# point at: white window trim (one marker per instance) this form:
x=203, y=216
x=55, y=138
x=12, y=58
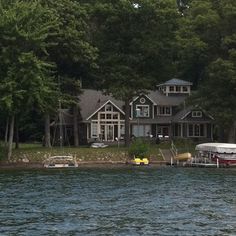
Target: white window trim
x=93, y=124
x=142, y=100
x=138, y=107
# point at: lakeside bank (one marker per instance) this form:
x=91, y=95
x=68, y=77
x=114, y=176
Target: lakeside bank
x=34, y=157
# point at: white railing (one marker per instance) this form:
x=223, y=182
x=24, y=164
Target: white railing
x=174, y=149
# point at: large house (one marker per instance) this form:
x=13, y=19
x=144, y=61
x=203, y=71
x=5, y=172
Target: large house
x=160, y=113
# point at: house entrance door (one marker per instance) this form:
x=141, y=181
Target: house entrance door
x=110, y=132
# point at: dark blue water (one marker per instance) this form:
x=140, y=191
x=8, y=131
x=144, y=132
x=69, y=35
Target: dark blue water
x=135, y=201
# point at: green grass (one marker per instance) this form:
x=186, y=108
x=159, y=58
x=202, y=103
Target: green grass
x=35, y=152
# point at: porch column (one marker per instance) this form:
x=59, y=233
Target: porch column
x=98, y=126
x=118, y=125
x=87, y=129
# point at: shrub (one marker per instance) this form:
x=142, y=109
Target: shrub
x=138, y=148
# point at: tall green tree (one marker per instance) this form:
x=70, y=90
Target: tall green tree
x=207, y=44
x=74, y=54
x=136, y=46
x=26, y=74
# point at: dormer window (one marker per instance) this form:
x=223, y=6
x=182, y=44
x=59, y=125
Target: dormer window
x=196, y=114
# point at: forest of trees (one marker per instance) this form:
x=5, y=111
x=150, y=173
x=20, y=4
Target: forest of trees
x=123, y=47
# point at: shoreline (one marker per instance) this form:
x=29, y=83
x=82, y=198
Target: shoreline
x=83, y=164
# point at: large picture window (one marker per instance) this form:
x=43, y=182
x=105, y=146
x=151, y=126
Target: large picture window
x=142, y=111
x=196, y=130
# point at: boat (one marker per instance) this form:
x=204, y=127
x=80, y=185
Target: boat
x=221, y=153
x=98, y=145
x=60, y=162
x=140, y=161
x=183, y=156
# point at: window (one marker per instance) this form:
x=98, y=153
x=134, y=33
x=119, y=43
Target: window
x=108, y=116
x=142, y=111
x=108, y=107
x=172, y=88
x=163, y=131
x=196, y=130
x=185, y=88
x=141, y=130
x=196, y=114
x=94, y=129
x=102, y=116
x=178, y=88
x=115, y=116
x=165, y=111
x=142, y=100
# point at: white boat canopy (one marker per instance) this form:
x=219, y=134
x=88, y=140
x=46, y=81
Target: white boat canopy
x=217, y=147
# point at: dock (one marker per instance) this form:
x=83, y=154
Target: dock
x=169, y=157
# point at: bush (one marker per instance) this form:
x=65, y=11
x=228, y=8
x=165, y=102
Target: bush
x=138, y=148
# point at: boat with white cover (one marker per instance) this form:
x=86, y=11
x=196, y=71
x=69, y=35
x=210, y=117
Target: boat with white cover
x=223, y=153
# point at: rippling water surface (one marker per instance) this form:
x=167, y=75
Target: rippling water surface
x=135, y=201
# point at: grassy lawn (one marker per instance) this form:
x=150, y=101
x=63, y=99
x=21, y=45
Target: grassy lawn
x=35, y=152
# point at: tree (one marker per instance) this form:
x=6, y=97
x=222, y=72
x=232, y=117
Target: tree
x=135, y=41
x=207, y=41
x=26, y=74
x=74, y=54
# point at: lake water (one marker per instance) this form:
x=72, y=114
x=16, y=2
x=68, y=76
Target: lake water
x=128, y=201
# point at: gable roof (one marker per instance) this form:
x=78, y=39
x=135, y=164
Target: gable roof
x=92, y=100
x=181, y=115
x=108, y=101
x=145, y=95
x=175, y=81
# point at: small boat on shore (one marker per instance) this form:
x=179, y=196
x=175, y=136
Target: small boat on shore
x=183, y=156
x=60, y=162
x=140, y=161
x=221, y=153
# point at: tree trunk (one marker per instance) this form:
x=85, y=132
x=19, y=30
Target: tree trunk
x=10, y=140
x=75, y=121
x=6, y=133
x=127, y=116
x=47, y=133
x=232, y=133
x=16, y=134
x=221, y=134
